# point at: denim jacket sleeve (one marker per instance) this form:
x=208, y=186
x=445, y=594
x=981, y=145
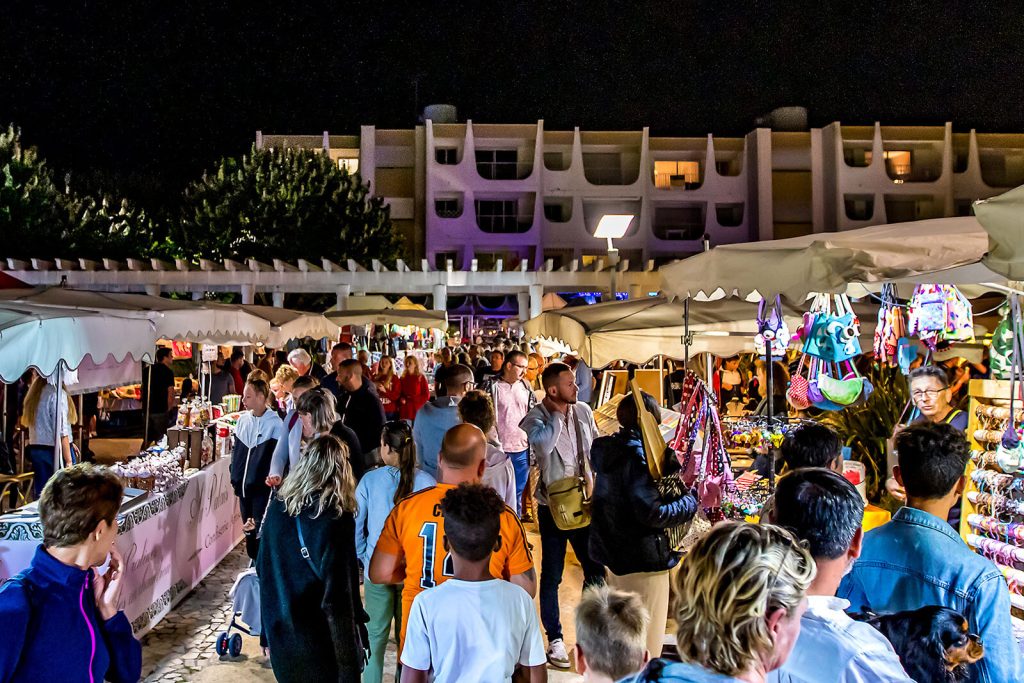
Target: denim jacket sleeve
x=990, y=619
x=542, y=432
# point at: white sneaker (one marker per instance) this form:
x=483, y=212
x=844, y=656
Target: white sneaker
x=557, y=656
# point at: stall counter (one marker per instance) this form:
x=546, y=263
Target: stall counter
x=170, y=542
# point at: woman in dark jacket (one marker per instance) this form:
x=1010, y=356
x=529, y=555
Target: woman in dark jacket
x=309, y=578
x=629, y=517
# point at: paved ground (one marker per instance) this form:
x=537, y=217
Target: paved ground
x=181, y=647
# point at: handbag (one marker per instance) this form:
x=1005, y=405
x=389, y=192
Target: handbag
x=833, y=337
x=569, y=497
x=771, y=330
x=798, y=386
x=362, y=635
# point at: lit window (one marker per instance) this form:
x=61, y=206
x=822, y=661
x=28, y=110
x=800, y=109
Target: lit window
x=350, y=165
x=669, y=174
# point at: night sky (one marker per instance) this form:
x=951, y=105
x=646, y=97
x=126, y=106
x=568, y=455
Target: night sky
x=146, y=94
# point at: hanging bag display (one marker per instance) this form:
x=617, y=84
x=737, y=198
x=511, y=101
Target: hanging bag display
x=798, y=387
x=940, y=313
x=771, y=329
x=834, y=336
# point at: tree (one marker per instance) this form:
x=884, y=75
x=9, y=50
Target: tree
x=106, y=227
x=33, y=219
x=286, y=204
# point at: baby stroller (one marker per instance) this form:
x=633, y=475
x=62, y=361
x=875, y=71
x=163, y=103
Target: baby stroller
x=245, y=605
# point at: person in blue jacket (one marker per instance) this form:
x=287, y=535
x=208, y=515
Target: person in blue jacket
x=60, y=617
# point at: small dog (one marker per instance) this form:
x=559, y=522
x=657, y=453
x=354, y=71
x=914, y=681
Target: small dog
x=934, y=643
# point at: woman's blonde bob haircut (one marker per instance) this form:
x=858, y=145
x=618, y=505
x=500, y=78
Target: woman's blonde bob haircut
x=728, y=585
x=323, y=480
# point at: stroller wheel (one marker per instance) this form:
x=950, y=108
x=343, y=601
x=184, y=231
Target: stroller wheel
x=222, y=644
x=235, y=645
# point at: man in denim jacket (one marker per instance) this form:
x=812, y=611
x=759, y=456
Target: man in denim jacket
x=918, y=559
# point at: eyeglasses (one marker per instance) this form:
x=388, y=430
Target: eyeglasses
x=929, y=394
x=470, y=385
x=521, y=367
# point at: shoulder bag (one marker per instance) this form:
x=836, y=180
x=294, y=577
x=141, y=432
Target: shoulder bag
x=569, y=497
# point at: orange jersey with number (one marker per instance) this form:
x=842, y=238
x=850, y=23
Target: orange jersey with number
x=414, y=533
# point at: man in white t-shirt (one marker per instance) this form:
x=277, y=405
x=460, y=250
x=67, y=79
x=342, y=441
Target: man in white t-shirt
x=472, y=627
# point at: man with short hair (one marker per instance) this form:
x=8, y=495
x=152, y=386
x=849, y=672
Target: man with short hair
x=441, y=371
x=560, y=430
x=360, y=410
x=917, y=559
x=611, y=635
x=824, y=511
x=513, y=399
x=158, y=388
x=411, y=548
x=304, y=365
x=812, y=445
x=439, y=415
x=341, y=352
x=497, y=358
x=235, y=364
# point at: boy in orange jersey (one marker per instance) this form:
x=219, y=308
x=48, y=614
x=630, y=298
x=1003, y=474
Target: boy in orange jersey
x=411, y=548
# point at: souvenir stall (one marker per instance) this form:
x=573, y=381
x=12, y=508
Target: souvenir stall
x=421, y=331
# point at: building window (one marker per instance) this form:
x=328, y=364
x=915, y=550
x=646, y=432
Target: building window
x=555, y=161
x=603, y=168
x=897, y=165
x=447, y=207
x=449, y=156
x=729, y=215
x=964, y=207
x=499, y=215
x=442, y=258
x=558, y=211
x=679, y=222
x=857, y=157
x=350, y=165
x=682, y=174
x=497, y=164
x=859, y=207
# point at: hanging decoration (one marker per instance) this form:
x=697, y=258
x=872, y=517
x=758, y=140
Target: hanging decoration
x=940, y=313
x=771, y=330
x=891, y=330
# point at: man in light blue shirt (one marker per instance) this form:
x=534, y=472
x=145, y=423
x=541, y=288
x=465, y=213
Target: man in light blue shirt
x=824, y=510
x=917, y=559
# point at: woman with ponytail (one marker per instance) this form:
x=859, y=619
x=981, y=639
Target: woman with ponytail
x=376, y=494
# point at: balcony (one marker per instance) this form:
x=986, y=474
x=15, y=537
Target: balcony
x=610, y=168
x=902, y=208
x=503, y=216
x=558, y=209
x=683, y=175
x=859, y=207
x=729, y=215
x=501, y=164
x=679, y=222
x=448, y=206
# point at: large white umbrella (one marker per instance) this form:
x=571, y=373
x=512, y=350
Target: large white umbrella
x=390, y=316
x=287, y=324
x=641, y=329
x=939, y=251
x=1003, y=219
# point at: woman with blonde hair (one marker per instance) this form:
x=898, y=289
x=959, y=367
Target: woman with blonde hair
x=741, y=593
x=415, y=391
x=309, y=576
x=285, y=378
x=318, y=415
x=39, y=415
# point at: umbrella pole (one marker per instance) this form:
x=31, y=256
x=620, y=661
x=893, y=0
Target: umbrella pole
x=58, y=453
x=769, y=371
x=687, y=337
x=149, y=389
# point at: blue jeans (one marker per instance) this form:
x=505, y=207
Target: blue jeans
x=552, y=564
x=41, y=458
x=521, y=467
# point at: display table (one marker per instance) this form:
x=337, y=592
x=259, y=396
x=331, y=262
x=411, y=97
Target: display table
x=170, y=541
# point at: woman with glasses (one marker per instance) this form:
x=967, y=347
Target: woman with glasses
x=932, y=398
x=741, y=593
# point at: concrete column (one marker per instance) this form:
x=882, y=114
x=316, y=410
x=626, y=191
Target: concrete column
x=524, y=306
x=635, y=292
x=248, y=294
x=342, y=292
x=440, y=297
x=536, y=300
x=278, y=299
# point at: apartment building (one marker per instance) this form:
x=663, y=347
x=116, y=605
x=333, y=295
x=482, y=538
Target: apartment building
x=493, y=195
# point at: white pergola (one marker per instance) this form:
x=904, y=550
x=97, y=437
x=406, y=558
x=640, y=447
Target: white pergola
x=154, y=276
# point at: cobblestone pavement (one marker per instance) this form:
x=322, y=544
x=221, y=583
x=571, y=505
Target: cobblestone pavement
x=181, y=647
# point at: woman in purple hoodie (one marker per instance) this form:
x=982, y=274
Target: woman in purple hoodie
x=60, y=617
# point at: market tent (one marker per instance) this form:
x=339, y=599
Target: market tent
x=202, y=322
x=640, y=329
x=287, y=324
x=406, y=304
x=363, y=302
x=948, y=250
x=552, y=302
x=1003, y=220
x=48, y=337
x=390, y=316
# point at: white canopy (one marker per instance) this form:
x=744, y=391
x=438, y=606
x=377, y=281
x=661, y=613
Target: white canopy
x=1003, y=218
x=941, y=251
x=286, y=324
x=390, y=316
x=195, y=321
x=44, y=337
x=640, y=329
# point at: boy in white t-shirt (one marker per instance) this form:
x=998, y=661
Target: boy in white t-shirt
x=472, y=627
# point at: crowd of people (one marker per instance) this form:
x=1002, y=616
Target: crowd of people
x=371, y=508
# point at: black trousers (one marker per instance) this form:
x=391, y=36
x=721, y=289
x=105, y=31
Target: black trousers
x=553, y=543
x=253, y=506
